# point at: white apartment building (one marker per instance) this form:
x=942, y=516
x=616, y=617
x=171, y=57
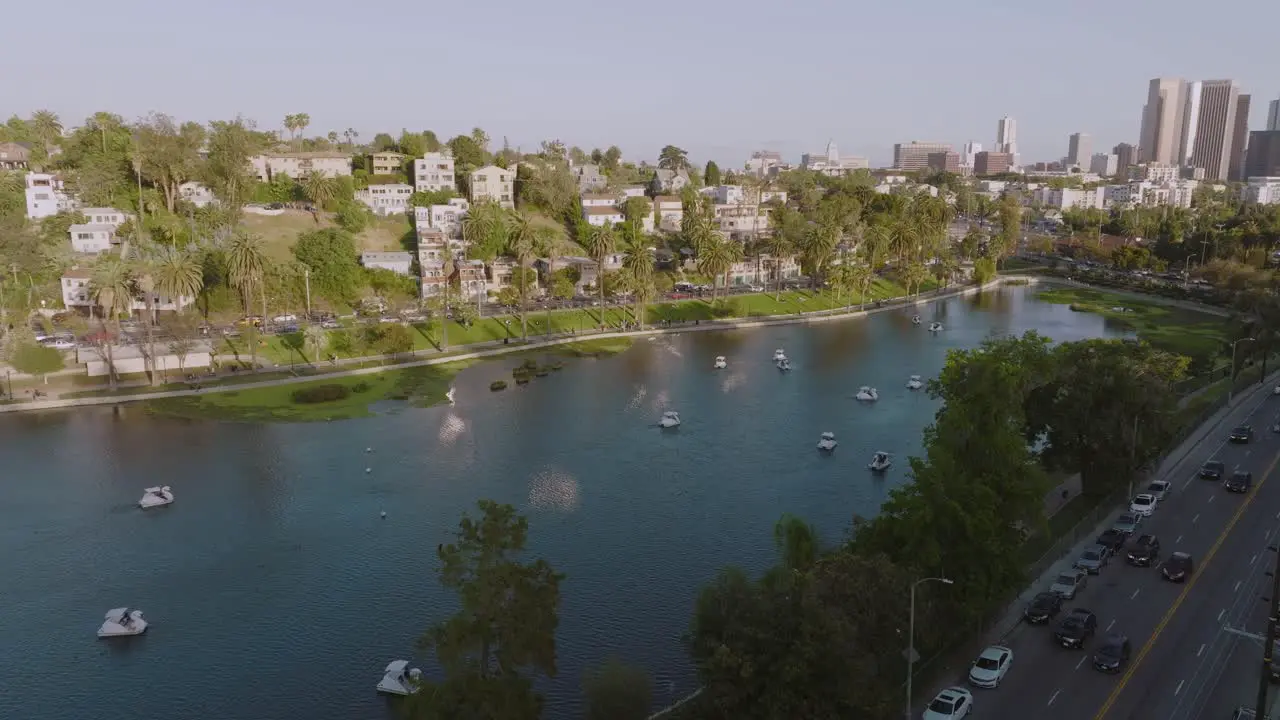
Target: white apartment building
x=78, y=293
x=602, y=216
x=396, y=262
x=764, y=163
x=45, y=196
x=670, y=211
x=1156, y=173
x=1263, y=190
x=1066, y=198
x=197, y=194
x=433, y=172
x=92, y=238
x=600, y=200
x=386, y=200
x=446, y=218
x=1104, y=164
x=494, y=183
x=104, y=216
x=300, y=164
x=631, y=191
x=1177, y=194
x=742, y=222
x=729, y=195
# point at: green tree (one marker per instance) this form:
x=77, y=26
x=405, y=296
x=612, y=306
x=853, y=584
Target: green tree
x=394, y=339
x=484, y=229
x=711, y=176
x=169, y=153
x=112, y=287
x=716, y=258
x=673, y=158
x=319, y=188
x=504, y=630
x=352, y=216
x=637, y=268
x=617, y=691
x=331, y=256
x=177, y=274
x=599, y=244
x=30, y=358
x=247, y=270
x=231, y=144
x=1010, y=218
x=525, y=236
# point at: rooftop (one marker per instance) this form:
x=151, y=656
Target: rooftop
x=316, y=155
x=602, y=211
x=100, y=211
x=92, y=227
x=77, y=273
x=369, y=257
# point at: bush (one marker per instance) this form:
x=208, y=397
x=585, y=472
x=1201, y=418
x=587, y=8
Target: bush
x=497, y=385
x=321, y=393
x=360, y=387
x=529, y=364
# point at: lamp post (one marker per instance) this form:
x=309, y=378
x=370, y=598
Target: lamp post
x=1231, y=379
x=911, y=633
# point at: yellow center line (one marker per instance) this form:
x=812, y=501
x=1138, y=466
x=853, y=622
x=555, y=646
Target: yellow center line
x=1204, y=565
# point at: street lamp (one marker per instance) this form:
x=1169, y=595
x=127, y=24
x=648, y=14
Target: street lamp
x=1231, y=379
x=911, y=633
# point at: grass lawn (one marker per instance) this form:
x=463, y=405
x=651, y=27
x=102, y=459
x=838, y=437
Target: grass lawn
x=1170, y=328
x=281, y=231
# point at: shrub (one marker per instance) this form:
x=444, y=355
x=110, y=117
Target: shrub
x=360, y=387
x=530, y=364
x=321, y=393
x=497, y=385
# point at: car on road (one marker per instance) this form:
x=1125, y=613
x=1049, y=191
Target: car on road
x=330, y=324
x=1111, y=539
x=1077, y=627
x=1093, y=559
x=1144, y=551
x=1144, y=505
x=59, y=344
x=950, y=704
x=1242, y=434
x=1212, y=470
x=1127, y=523
x=1160, y=489
x=284, y=319
x=1113, y=655
x=1239, y=482
x=1177, y=568
x=990, y=667
x=1069, y=583
x=1042, y=608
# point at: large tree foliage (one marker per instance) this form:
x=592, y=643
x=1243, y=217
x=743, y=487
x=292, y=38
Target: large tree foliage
x=168, y=153
x=504, y=631
x=330, y=254
x=617, y=691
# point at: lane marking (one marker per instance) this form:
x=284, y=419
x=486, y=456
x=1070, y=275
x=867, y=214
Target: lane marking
x=1182, y=596
x=1194, y=519
x=1175, y=542
x=1224, y=612
x=1179, y=688
x=1134, y=595
x=1253, y=559
x=1113, y=622
x=1200, y=651
x=1080, y=663
x=1055, y=696
x=1212, y=498
x=1237, y=588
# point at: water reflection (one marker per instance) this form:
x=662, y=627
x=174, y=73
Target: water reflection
x=732, y=381
x=553, y=489
x=845, y=344
x=451, y=428
x=637, y=398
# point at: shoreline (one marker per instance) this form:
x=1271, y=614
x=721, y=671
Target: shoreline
x=495, y=352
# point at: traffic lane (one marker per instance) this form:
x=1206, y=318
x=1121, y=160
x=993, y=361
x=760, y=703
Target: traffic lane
x=1172, y=658
x=1125, y=599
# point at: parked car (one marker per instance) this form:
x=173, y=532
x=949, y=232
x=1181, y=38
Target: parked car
x=285, y=319
x=1111, y=539
x=1042, y=608
x=330, y=324
x=953, y=703
x=1069, y=583
x=990, y=667
x=1077, y=627
x=1160, y=489
x=1143, y=505
x=59, y=344
x=1127, y=523
x=1093, y=559
x=1145, y=550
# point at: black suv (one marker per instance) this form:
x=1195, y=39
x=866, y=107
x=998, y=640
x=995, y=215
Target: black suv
x=1112, y=540
x=1242, y=434
x=1074, y=629
x=1239, y=482
x=1042, y=607
x=1212, y=470
x=1177, y=568
x=1113, y=655
x=1144, y=551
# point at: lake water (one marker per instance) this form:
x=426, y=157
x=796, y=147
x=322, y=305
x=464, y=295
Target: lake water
x=275, y=590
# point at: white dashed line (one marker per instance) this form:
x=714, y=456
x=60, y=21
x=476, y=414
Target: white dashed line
x=1194, y=519
x=1179, y=688
x=1200, y=651
x=1054, y=697
x=1246, y=454
x=1134, y=595
x=1237, y=588
x=1113, y=622
x=1175, y=542
x=1253, y=559
x=1212, y=498
x=1224, y=612
x=1080, y=663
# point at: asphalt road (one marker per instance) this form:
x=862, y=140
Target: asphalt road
x=1170, y=676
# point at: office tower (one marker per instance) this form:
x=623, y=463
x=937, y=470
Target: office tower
x=1273, y=115
x=1263, y=159
x=1163, y=122
x=1210, y=126
x=944, y=162
x=971, y=149
x=1007, y=136
x=992, y=163
x=1103, y=164
x=1239, y=139
x=1126, y=157
x=1079, y=149
x=915, y=154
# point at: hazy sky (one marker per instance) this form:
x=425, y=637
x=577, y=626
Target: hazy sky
x=718, y=79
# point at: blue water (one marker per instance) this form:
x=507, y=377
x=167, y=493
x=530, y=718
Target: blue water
x=275, y=590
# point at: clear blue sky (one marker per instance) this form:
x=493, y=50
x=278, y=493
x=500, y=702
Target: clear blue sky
x=718, y=79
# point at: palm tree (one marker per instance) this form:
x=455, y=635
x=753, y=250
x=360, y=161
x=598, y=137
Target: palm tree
x=144, y=282
x=523, y=238
x=316, y=338
x=637, y=266
x=448, y=268
x=247, y=269
x=177, y=274
x=291, y=124
x=332, y=137
x=779, y=246
x=353, y=136
x=914, y=274
x=716, y=259
x=302, y=120
x=859, y=275
x=484, y=230
x=319, y=188
x=553, y=243
x=599, y=244
x=112, y=288
x=47, y=128
x=817, y=245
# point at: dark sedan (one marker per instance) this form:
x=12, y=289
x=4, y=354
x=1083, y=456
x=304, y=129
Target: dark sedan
x=1077, y=627
x=1212, y=470
x=1113, y=655
x=1242, y=434
x=1112, y=539
x=1144, y=551
x=1177, y=568
x=1239, y=482
x=1042, y=608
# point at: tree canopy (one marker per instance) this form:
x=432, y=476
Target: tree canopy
x=330, y=255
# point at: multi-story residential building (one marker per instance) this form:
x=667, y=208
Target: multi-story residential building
x=669, y=181
x=104, y=216
x=602, y=216
x=670, y=211
x=1263, y=190
x=601, y=200
x=77, y=293
x=397, y=262
x=992, y=187
x=14, y=156
x=1210, y=126
x=446, y=218
x=494, y=183
x=992, y=163
x=764, y=163
x=434, y=172
x=742, y=221
x=386, y=163
x=630, y=191
x=1263, y=158
x=945, y=162
x=1079, y=149
x=433, y=245
x=589, y=178
x=729, y=194
x=1177, y=194
x=1066, y=198
x=831, y=163
x=1104, y=164
x=92, y=238
x=1163, y=122
x=1126, y=157
x=473, y=281
x=45, y=196
x=392, y=199
x=915, y=154
x=1006, y=137
x=431, y=278
x=298, y=165
x=197, y=194
x=1156, y=173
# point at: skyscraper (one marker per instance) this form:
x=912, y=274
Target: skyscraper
x=1273, y=115
x=1163, y=122
x=1007, y=136
x=1126, y=157
x=1239, y=140
x=1079, y=150
x=1211, y=119
x=1264, y=154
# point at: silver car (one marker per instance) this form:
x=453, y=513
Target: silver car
x=1160, y=489
x=1127, y=523
x=1069, y=583
x=1093, y=559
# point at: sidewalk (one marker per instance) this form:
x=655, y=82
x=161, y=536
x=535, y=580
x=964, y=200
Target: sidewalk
x=955, y=665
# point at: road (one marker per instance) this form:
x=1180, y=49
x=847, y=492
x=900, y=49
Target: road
x=1171, y=676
